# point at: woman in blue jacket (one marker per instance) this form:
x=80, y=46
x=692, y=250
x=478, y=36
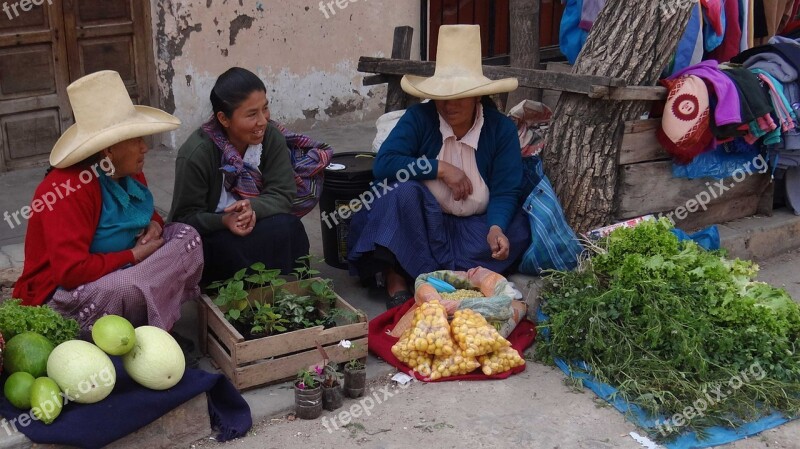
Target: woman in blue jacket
x=449, y=176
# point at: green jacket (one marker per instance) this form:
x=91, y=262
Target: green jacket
x=198, y=181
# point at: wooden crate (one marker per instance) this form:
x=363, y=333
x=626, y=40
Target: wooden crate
x=646, y=185
x=275, y=358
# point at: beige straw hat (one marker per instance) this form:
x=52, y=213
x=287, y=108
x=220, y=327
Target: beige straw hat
x=104, y=116
x=459, y=73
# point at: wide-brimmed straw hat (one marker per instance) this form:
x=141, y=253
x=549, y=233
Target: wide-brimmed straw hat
x=459, y=73
x=104, y=116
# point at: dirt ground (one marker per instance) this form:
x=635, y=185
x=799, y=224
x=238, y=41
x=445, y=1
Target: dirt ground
x=535, y=409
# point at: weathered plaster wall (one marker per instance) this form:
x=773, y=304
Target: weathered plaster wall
x=308, y=62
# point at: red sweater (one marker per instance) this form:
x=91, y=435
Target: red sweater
x=58, y=240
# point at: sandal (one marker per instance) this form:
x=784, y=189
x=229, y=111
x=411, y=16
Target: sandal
x=398, y=299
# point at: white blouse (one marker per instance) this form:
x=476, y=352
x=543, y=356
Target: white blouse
x=461, y=153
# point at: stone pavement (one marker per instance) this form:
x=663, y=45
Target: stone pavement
x=759, y=238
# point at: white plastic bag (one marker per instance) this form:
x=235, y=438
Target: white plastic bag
x=385, y=125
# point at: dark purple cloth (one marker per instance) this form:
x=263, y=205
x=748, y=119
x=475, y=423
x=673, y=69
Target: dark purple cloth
x=276, y=241
x=409, y=222
x=130, y=407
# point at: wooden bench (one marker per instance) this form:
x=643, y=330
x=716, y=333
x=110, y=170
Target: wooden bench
x=646, y=184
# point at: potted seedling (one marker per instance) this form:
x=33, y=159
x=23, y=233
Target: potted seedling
x=308, y=393
x=355, y=372
x=332, y=392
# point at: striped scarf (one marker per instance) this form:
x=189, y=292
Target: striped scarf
x=309, y=159
x=241, y=179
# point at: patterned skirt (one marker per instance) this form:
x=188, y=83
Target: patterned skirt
x=148, y=293
x=410, y=224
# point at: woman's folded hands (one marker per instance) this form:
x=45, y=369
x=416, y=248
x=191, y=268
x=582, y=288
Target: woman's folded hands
x=240, y=218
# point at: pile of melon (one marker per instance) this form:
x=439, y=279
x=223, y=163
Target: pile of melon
x=45, y=378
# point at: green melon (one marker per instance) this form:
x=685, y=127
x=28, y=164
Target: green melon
x=28, y=352
x=18, y=390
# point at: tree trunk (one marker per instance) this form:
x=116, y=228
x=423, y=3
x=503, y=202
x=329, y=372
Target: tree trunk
x=524, y=45
x=632, y=40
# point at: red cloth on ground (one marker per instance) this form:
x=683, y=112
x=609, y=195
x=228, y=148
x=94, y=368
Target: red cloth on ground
x=57, y=241
x=380, y=343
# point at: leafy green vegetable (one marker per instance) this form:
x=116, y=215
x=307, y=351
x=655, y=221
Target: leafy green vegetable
x=666, y=322
x=16, y=318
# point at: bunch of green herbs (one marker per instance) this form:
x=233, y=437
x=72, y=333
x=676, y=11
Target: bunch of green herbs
x=679, y=331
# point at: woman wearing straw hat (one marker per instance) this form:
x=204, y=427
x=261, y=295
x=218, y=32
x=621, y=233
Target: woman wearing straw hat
x=465, y=211
x=95, y=244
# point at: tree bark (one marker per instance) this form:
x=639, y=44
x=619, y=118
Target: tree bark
x=632, y=40
x=524, y=44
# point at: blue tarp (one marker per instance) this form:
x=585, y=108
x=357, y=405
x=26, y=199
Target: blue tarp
x=715, y=436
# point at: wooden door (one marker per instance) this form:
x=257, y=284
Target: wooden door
x=108, y=35
x=33, y=85
x=46, y=48
x=493, y=17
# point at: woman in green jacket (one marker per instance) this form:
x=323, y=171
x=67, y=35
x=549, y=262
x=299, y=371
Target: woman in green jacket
x=234, y=183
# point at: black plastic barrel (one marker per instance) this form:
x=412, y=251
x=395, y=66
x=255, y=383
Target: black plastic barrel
x=346, y=178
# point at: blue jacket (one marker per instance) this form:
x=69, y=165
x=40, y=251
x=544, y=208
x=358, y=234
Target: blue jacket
x=498, y=156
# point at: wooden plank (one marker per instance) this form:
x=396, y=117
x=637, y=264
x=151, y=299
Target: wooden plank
x=650, y=93
x=641, y=145
x=466, y=11
x=283, y=368
x=373, y=80
x=501, y=26
x=650, y=188
x=401, y=49
x=542, y=79
x=546, y=23
x=735, y=208
x=433, y=32
x=635, y=126
x=26, y=38
x=450, y=12
x=202, y=324
x=36, y=103
x=291, y=342
x=217, y=322
x=221, y=358
x=482, y=10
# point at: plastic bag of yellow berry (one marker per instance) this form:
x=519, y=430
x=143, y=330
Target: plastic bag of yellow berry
x=454, y=365
x=404, y=351
x=430, y=331
x=475, y=335
x=500, y=361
